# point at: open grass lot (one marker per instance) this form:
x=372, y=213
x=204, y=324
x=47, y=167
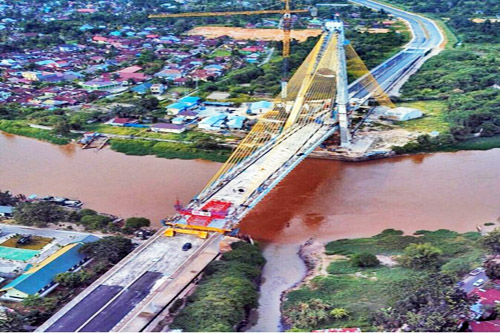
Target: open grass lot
x=37, y=242
x=364, y=291
x=434, y=117
x=220, y=53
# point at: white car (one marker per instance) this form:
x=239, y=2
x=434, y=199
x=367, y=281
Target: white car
x=478, y=283
x=476, y=271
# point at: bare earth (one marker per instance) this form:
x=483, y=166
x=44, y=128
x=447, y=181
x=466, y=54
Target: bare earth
x=252, y=34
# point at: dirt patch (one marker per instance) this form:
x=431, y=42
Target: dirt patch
x=317, y=261
x=389, y=261
x=252, y=34
x=36, y=243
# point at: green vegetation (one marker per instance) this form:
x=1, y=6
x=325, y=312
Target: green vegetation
x=21, y=128
x=226, y=293
x=39, y=214
x=378, y=297
x=72, y=279
x=364, y=259
x=463, y=78
x=134, y=223
x=169, y=150
x=434, y=117
x=109, y=250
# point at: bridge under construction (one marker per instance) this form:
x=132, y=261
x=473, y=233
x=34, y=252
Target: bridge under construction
x=135, y=294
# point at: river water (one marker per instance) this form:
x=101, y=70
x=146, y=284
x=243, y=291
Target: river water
x=326, y=200
x=104, y=180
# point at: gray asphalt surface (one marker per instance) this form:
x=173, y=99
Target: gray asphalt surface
x=390, y=70
x=79, y=314
x=469, y=281
x=123, y=304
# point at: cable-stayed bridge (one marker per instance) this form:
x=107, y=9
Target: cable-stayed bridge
x=135, y=294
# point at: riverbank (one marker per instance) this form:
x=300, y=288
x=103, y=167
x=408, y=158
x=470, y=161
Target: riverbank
x=339, y=293
x=226, y=293
x=169, y=150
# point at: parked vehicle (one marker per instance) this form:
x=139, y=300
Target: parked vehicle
x=476, y=271
x=186, y=246
x=24, y=240
x=478, y=283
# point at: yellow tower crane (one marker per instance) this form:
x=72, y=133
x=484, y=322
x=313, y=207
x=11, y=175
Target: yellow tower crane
x=286, y=24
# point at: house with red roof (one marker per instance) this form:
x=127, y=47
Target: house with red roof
x=484, y=326
x=121, y=121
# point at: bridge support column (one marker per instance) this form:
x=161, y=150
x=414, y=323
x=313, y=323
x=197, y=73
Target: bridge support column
x=342, y=101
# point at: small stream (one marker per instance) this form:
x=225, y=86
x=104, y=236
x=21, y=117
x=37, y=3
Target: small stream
x=284, y=268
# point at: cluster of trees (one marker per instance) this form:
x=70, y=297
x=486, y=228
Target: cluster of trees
x=7, y=199
x=431, y=303
x=467, y=81
x=41, y=214
x=226, y=293
x=109, y=250
x=465, y=8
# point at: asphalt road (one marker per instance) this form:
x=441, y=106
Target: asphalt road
x=123, y=304
x=468, y=282
x=426, y=36
x=79, y=314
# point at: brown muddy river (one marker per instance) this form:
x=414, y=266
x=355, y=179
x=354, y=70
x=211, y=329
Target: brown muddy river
x=323, y=199
x=104, y=180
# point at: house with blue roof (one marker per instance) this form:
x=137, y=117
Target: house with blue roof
x=183, y=104
x=86, y=27
x=39, y=279
x=142, y=88
x=259, y=107
x=6, y=211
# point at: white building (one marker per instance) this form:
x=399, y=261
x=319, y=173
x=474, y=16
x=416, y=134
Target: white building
x=157, y=88
x=403, y=114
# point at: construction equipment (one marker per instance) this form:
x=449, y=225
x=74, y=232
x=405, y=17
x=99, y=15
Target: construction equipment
x=286, y=24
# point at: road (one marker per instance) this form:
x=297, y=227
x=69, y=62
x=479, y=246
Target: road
x=426, y=37
x=124, y=298
x=468, y=282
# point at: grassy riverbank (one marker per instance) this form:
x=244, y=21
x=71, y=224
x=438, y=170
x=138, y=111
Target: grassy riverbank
x=227, y=292
x=362, y=292
x=21, y=128
x=169, y=150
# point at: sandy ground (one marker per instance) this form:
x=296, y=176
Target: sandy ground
x=252, y=34
x=317, y=261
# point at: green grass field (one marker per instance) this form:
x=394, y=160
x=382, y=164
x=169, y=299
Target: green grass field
x=433, y=120
x=364, y=291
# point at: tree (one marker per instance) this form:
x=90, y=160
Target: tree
x=13, y=322
x=61, y=127
x=7, y=199
x=71, y=279
x=491, y=242
x=365, y=259
x=429, y=304
x=39, y=213
x=32, y=301
x=135, y=223
x=421, y=256
x=95, y=222
x=339, y=313
x=111, y=249
x=492, y=268
x=309, y=314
